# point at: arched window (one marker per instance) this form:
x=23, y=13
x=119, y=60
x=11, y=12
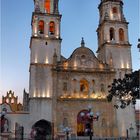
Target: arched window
x=84, y=86
x=112, y=34
x=52, y=28
x=121, y=34
x=41, y=27
x=114, y=10
x=74, y=83
x=47, y=6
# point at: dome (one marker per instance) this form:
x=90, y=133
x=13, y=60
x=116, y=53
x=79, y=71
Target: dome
x=82, y=51
x=83, y=57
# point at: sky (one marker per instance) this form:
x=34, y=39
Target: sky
x=80, y=18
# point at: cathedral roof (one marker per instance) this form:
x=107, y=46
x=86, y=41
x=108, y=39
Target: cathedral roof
x=83, y=50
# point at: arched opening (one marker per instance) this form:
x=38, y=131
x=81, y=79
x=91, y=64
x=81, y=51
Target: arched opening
x=52, y=28
x=74, y=83
x=83, y=123
x=84, y=86
x=12, y=100
x=114, y=10
x=7, y=100
x=47, y=6
x=41, y=26
x=41, y=130
x=121, y=34
x=112, y=34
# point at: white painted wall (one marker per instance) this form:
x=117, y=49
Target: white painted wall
x=126, y=117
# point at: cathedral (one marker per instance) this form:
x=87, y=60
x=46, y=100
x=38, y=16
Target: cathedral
x=63, y=90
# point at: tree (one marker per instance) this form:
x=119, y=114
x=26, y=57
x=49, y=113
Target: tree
x=126, y=90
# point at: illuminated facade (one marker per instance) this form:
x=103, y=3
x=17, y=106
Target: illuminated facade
x=69, y=85
x=61, y=88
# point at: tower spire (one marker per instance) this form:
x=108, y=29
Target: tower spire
x=82, y=42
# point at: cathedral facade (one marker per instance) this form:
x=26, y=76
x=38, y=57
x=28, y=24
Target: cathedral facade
x=61, y=89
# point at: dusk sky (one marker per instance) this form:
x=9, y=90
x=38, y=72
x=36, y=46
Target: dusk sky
x=80, y=18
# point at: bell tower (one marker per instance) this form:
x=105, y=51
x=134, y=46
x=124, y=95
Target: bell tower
x=115, y=50
x=44, y=44
x=113, y=42
x=45, y=31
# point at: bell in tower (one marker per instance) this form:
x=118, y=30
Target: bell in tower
x=46, y=19
x=46, y=6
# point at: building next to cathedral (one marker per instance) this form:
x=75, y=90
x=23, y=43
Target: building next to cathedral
x=61, y=89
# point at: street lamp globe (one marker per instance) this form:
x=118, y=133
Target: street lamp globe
x=89, y=107
x=91, y=114
x=82, y=114
x=88, y=117
x=67, y=130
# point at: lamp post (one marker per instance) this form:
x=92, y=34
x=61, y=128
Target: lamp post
x=90, y=118
x=67, y=130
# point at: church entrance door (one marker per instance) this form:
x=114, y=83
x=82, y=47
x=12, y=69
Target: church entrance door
x=83, y=123
x=41, y=130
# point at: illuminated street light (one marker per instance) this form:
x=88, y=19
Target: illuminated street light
x=90, y=118
x=67, y=130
